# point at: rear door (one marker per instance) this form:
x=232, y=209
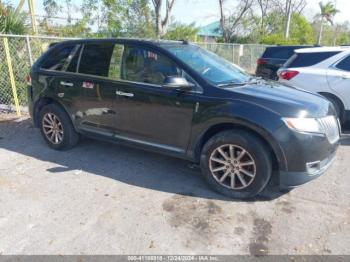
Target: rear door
x=338, y=77
x=95, y=111
x=312, y=75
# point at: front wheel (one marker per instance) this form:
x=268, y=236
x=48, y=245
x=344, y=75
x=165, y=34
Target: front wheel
x=236, y=163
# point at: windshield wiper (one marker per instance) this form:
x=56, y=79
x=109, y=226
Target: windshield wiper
x=231, y=84
x=251, y=81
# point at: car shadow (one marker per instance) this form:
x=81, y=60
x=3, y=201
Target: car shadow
x=345, y=138
x=125, y=164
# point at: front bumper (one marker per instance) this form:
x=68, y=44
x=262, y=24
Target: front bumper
x=294, y=179
x=307, y=156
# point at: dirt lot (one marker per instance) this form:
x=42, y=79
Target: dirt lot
x=107, y=199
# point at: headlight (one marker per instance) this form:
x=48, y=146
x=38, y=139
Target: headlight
x=310, y=125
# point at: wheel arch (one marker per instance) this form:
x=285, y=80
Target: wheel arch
x=40, y=103
x=279, y=162
x=337, y=99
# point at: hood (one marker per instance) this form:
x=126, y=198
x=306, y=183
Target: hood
x=283, y=100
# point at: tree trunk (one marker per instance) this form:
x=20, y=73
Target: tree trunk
x=162, y=24
x=288, y=17
x=157, y=8
x=320, y=34
x=222, y=19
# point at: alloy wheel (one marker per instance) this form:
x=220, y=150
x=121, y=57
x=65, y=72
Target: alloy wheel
x=232, y=166
x=53, y=128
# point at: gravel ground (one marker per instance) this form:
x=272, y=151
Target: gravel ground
x=100, y=198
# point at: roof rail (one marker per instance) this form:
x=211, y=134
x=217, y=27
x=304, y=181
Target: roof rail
x=185, y=42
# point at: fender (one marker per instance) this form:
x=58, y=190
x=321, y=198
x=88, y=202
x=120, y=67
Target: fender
x=236, y=115
x=45, y=100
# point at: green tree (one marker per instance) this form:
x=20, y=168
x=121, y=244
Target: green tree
x=328, y=11
x=51, y=8
x=12, y=22
x=179, y=31
x=138, y=20
x=301, y=31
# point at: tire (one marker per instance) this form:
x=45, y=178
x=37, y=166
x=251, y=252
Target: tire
x=338, y=108
x=66, y=137
x=255, y=149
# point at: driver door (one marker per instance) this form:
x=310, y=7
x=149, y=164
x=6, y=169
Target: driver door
x=147, y=112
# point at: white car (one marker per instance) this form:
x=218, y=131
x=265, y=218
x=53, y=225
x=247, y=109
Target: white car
x=324, y=70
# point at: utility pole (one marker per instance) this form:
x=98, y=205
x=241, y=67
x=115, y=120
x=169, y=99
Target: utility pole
x=288, y=17
x=31, y=11
x=32, y=15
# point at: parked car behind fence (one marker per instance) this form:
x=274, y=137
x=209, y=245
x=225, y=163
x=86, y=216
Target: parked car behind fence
x=272, y=59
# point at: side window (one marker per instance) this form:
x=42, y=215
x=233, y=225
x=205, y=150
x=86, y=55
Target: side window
x=116, y=61
x=96, y=58
x=72, y=61
x=308, y=59
x=279, y=52
x=58, y=58
x=141, y=65
x=344, y=64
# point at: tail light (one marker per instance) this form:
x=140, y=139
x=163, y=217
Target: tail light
x=287, y=74
x=28, y=79
x=261, y=61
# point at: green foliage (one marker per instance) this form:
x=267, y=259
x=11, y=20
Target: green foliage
x=343, y=38
x=138, y=20
x=301, y=31
x=328, y=11
x=179, y=31
x=12, y=22
x=278, y=39
x=51, y=7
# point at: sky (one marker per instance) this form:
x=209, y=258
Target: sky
x=203, y=12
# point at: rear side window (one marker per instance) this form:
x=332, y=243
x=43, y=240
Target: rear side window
x=308, y=59
x=59, y=59
x=344, y=64
x=279, y=52
x=96, y=58
x=73, y=60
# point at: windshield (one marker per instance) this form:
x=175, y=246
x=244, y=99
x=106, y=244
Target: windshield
x=212, y=67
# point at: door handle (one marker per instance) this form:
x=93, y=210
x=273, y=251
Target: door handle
x=120, y=93
x=66, y=83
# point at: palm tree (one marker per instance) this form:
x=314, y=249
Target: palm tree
x=328, y=11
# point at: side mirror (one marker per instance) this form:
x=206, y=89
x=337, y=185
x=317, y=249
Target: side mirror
x=177, y=82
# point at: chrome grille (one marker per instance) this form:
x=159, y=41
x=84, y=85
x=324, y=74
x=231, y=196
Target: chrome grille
x=331, y=128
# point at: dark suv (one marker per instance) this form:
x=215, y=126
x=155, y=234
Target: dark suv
x=272, y=59
x=177, y=98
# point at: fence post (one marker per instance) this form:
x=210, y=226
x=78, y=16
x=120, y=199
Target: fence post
x=29, y=50
x=12, y=78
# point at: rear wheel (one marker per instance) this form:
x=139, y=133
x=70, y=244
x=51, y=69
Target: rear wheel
x=56, y=128
x=236, y=163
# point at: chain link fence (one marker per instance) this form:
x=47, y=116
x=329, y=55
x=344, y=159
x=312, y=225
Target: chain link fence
x=243, y=55
x=17, y=54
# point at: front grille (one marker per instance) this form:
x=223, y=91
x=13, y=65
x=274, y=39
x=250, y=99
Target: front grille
x=331, y=128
